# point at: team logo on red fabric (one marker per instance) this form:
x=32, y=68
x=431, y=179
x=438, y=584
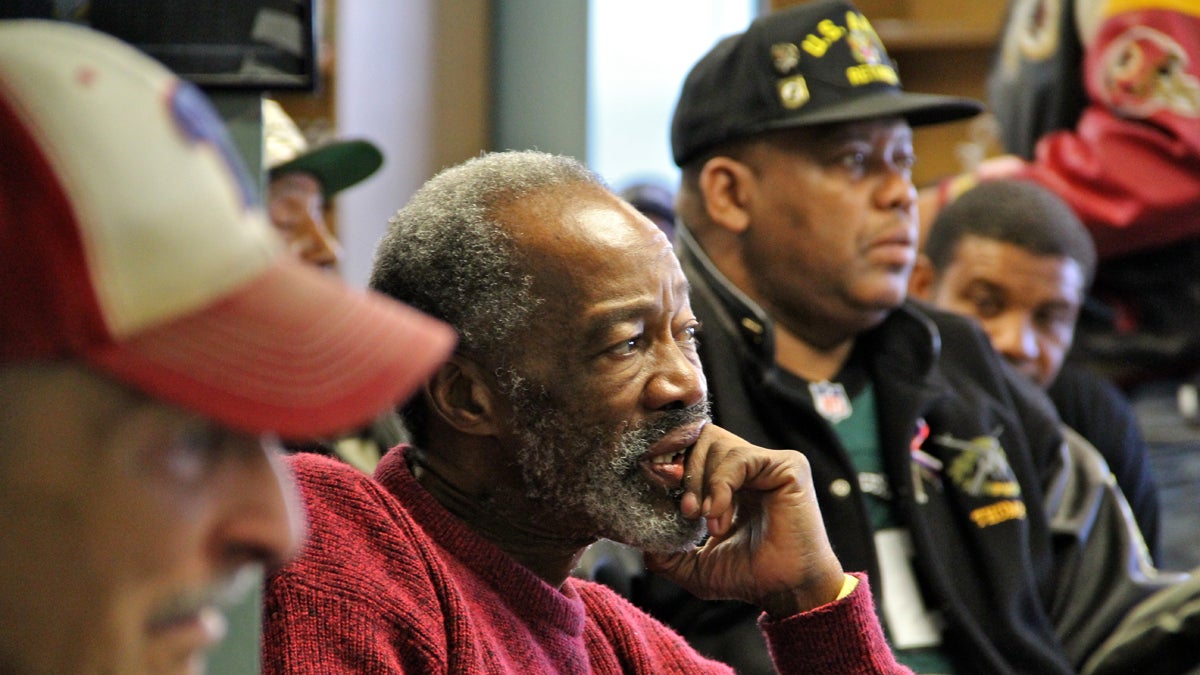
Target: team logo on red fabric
x=1144, y=71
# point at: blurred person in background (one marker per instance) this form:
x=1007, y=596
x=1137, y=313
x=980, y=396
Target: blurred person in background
x=1014, y=257
x=303, y=179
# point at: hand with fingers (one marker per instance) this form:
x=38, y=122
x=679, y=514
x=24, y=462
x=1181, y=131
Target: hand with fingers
x=767, y=542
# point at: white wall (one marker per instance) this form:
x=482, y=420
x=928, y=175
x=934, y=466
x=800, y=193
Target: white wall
x=384, y=71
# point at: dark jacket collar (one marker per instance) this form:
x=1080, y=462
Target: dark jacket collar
x=739, y=314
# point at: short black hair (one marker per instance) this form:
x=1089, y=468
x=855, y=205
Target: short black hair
x=1017, y=212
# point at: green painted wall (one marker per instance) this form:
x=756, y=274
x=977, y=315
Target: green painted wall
x=540, y=78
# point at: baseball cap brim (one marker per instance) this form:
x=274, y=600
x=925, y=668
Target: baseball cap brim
x=337, y=165
x=294, y=352
x=917, y=109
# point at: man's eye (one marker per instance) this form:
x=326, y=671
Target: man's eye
x=988, y=307
x=853, y=160
x=690, y=334
x=193, y=451
x=904, y=160
x=625, y=347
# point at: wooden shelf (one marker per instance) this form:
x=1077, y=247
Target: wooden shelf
x=901, y=35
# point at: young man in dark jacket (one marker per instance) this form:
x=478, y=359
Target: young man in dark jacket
x=1014, y=257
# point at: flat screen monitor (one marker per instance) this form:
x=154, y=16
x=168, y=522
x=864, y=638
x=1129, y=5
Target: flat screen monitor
x=220, y=44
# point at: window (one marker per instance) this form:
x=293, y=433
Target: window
x=639, y=53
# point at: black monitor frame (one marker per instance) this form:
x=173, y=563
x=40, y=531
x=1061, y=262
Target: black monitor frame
x=221, y=45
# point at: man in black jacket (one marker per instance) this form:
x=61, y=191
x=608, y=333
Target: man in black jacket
x=938, y=468
x=1014, y=256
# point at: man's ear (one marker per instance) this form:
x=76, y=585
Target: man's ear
x=461, y=395
x=920, y=282
x=727, y=185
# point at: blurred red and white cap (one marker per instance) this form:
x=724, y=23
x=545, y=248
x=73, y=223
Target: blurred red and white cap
x=133, y=239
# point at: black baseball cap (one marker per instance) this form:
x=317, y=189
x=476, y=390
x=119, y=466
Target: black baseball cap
x=816, y=63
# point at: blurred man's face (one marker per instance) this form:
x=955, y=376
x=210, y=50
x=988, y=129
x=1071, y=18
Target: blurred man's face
x=1026, y=303
x=297, y=209
x=127, y=525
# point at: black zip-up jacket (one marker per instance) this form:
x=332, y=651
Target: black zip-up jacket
x=989, y=554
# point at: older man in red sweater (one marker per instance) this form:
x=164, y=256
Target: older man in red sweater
x=574, y=408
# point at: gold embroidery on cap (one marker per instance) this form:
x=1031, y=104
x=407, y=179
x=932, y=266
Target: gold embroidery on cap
x=830, y=33
x=793, y=92
x=785, y=56
x=866, y=48
x=864, y=45
x=871, y=72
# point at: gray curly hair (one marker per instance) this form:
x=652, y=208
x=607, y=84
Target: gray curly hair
x=447, y=254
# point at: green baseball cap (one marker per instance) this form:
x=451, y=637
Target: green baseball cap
x=336, y=165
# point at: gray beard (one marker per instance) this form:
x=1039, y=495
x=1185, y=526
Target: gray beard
x=602, y=492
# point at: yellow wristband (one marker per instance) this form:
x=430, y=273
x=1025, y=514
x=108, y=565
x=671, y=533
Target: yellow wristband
x=848, y=585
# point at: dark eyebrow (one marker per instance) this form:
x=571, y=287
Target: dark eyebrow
x=994, y=290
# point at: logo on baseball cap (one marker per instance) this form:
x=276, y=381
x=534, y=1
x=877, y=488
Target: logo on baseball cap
x=816, y=63
x=132, y=240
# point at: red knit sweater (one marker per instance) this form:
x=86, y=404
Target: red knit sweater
x=391, y=582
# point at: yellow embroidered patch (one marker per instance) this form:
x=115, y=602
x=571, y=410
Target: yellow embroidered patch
x=871, y=72
x=994, y=514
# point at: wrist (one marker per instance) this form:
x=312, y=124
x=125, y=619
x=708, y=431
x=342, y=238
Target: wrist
x=829, y=585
